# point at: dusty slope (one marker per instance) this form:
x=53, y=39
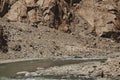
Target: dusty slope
x=31, y=42
x=26, y=41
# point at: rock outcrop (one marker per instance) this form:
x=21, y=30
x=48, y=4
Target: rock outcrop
x=31, y=20
x=52, y=13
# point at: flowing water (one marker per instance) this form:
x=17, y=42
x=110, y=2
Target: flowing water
x=8, y=70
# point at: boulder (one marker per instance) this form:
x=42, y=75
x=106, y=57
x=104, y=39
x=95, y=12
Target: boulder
x=45, y=3
x=30, y=3
x=17, y=11
x=32, y=16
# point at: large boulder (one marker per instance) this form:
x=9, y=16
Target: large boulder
x=17, y=11
x=87, y=11
x=97, y=14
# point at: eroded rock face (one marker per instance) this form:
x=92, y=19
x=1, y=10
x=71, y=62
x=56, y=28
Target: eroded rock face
x=3, y=7
x=3, y=39
x=96, y=13
x=52, y=13
x=2, y=2
x=102, y=15
x=30, y=3
x=32, y=15
x=17, y=11
x=87, y=11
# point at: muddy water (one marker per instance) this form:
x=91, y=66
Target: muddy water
x=8, y=70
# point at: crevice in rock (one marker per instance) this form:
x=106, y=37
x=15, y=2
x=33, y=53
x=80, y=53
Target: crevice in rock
x=62, y=15
x=113, y=35
x=3, y=40
x=4, y=7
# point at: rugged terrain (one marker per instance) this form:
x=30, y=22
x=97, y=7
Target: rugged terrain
x=89, y=29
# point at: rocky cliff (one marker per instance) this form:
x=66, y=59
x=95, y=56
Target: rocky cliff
x=72, y=28
x=59, y=28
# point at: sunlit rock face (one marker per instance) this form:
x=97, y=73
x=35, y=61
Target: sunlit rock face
x=96, y=12
x=102, y=15
x=17, y=11
x=48, y=12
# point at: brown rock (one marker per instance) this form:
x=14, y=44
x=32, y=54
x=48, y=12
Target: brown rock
x=40, y=3
x=64, y=27
x=17, y=11
x=30, y=3
x=32, y=15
